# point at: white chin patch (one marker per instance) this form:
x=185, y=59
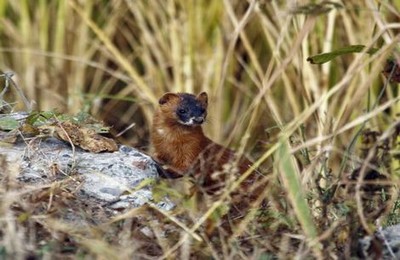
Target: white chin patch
x=188, y=123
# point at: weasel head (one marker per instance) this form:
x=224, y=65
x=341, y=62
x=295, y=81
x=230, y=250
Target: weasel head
x=184, y=108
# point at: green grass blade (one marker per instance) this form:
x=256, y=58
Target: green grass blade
x=325, y=57
x=292, y=183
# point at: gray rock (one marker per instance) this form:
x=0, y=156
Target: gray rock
x=120, y=179
x=384, y=244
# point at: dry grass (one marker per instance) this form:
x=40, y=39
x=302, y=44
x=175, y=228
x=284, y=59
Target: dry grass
x=305, y=124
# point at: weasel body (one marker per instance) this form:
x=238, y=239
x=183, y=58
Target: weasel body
x=181, y=146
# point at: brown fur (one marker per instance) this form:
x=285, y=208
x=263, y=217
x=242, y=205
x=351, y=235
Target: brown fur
x=185, y=150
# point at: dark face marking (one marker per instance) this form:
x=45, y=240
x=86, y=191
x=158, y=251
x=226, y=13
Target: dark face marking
x=190, y=111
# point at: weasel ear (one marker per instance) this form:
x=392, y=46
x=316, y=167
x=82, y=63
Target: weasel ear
x=203, y=98
x=167, y=97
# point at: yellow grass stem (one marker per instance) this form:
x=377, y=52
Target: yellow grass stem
x=141, y=88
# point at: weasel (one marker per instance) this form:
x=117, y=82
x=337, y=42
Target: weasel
x=182, y=148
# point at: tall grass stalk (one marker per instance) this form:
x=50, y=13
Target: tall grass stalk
x=290, y=178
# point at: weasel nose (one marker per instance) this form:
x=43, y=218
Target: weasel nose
x=198, y=120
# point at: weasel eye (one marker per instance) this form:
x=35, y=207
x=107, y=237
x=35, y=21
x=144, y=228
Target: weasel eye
x=182, y=111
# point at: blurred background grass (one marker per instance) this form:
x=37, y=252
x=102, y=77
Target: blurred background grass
x=114, y=59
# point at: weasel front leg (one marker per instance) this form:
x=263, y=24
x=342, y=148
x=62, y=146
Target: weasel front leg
x=166, y=172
